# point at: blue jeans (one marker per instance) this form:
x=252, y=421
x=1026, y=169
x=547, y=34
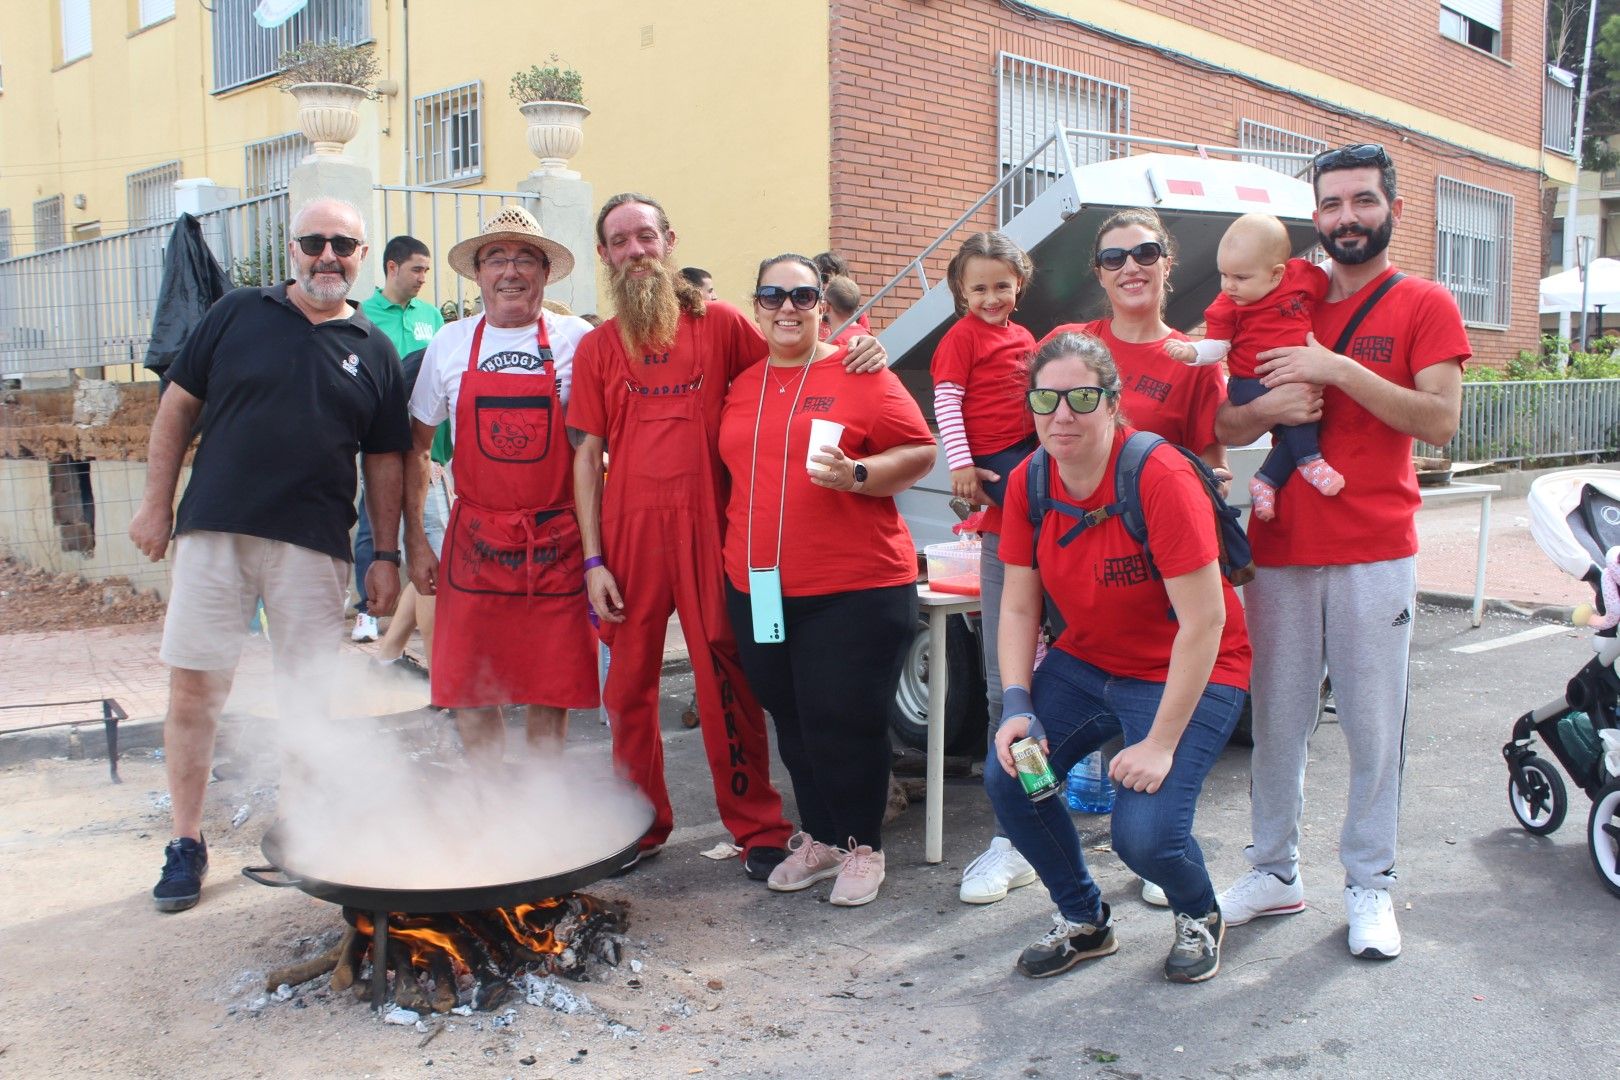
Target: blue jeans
x=1081, y=708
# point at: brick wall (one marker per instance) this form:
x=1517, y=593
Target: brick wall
x=914, y=118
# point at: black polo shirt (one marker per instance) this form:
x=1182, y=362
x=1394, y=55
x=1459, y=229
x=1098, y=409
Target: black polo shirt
x=286, y=406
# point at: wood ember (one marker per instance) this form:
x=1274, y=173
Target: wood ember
x=348, y=960
x=443, y=997
x=407, y=990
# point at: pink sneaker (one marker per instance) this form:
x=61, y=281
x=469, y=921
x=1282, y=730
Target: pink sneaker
x=1322, y=476
x=860, y=877
x=1262, y=499
x=808, y=861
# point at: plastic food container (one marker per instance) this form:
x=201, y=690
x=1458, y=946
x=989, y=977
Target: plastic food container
x=954, y=567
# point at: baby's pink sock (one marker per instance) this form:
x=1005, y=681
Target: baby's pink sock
x=1262, y=499
x=1322, y=476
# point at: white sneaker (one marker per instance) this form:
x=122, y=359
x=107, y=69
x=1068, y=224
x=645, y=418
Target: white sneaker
x=1152, y=894
x=988, y=877
x=1373, y=933
x=365, y=628
x=1258, y=893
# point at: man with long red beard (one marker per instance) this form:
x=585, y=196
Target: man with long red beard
x=649, y=384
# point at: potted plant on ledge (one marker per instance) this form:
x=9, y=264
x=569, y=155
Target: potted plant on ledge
x=552, y=99
x=329, y=80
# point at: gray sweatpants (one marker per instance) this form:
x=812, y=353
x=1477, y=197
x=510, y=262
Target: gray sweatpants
x=992, y=576
x=1354, y=622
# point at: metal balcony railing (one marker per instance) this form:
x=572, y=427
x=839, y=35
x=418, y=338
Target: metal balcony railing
x=1517, y=421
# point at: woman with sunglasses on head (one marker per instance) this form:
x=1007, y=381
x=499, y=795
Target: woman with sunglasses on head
x=821, y=572
x=1132, y=256
x=1159, y=658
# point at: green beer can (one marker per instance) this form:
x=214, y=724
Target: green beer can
x=1033, y=770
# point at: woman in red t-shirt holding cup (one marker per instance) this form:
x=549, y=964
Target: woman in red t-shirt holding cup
x=821, y=572
x=1160, y=658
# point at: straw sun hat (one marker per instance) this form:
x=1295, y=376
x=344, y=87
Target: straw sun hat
x=511, y=223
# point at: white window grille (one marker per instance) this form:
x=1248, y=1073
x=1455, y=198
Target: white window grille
x=49, y=228
x=1474, y=250
x=151, y=194
x=267, y=165
x=1036, y=99
x=1558, y=111
x=75, y=29
x=449, y=134
x=1253, y=135
x=245, y=52
x=5, y=234
x=1473, y=22
x=155, y=11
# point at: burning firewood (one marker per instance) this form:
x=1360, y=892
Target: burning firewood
x=407, y=990
x=309, y=969
x=443, y=997
x=347, y=960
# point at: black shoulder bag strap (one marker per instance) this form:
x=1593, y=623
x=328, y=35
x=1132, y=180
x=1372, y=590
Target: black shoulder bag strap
x=1367, y=305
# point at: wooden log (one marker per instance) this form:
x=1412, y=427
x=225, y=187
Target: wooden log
x=297, y=974
x=407, y=990
x=443, y=997
x=349, y=950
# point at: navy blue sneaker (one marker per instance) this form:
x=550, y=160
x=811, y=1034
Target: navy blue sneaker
x=185, y=864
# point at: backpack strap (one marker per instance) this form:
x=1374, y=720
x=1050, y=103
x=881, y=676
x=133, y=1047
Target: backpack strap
x=1367, y=305
x=1128, y=488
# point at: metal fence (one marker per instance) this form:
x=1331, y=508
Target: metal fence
x=1518, y=421
x=440, y=218
x=90, y=305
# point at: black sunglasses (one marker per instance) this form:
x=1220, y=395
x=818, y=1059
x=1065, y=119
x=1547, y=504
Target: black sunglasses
x=1349, y=157
x=803, y=297
x=1082, y=399
x=1144, y=254
x=313, y=244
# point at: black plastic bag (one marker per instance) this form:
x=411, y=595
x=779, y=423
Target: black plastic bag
x=192, y=281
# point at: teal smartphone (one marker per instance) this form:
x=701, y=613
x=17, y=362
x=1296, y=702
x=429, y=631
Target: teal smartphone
x=765, y=601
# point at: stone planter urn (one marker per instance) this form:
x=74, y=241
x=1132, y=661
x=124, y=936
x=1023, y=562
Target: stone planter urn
x=556, y=132
x=329, y=114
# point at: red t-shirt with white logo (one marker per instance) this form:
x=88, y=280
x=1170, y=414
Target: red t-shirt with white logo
x=1158, y=393
x=1413, y=326
x=1117, y=611
x=991, y=365
x=1279, y=318
x=831, y=541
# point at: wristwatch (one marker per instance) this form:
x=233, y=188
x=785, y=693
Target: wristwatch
x=860, y=474
x=386, y=556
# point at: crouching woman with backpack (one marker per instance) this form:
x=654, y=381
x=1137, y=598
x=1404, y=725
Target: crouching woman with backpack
x=1153, y=647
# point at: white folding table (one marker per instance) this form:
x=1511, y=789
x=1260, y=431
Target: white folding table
x=940, y=607
x=1468, y=489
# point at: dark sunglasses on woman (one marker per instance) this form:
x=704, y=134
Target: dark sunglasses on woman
x=803, y=297
x=313, y=244
x=1082, y=399
x=1144, y=254
x=1345, y=157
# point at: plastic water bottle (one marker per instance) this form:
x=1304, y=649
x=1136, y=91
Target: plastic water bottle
x=1089, y=790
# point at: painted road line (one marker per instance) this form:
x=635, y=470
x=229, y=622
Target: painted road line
x=1514, y=639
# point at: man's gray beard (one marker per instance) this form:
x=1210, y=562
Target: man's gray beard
x=319, y=291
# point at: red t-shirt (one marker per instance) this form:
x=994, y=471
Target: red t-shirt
x=718, y=346
x=1281, y=317
x=991, y=365
x=1415, y=325
x=1161, y=394
x=1116, y=609
x=857, y=328
x=832, y=541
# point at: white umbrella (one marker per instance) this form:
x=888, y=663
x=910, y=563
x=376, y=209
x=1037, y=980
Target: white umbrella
x=1562, y=292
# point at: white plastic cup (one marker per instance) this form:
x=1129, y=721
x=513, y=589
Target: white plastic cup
x=822, y=433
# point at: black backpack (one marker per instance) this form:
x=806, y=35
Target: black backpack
x=1236, y=560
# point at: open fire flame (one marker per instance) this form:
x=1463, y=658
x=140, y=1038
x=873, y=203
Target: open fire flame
x=471, y=955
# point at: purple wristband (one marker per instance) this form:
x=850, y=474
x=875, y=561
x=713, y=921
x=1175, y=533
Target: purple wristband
x=593, y=562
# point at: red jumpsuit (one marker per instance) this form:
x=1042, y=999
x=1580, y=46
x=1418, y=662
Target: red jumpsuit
x=510, y=624
x=661, y=518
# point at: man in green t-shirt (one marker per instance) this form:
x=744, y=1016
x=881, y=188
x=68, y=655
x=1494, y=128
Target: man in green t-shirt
x=410, y=324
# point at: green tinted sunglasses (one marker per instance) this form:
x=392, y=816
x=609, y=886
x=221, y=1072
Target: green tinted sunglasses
x=1082, y=399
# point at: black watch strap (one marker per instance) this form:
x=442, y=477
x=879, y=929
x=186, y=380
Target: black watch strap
x=860, y=473
x=386, y=556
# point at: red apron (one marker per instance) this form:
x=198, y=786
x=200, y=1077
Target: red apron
x=510, y=625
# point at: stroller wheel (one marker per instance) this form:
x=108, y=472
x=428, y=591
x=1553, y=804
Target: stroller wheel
x=1541, y=803
x=1603, y=835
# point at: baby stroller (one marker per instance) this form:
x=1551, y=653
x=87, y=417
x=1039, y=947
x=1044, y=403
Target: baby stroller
x=1575, y=519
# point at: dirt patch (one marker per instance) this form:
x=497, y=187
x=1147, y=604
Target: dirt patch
x=37, y=601
x=46, y=424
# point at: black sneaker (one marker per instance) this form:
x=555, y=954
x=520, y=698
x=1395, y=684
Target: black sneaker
x=185, y=864
x=1068, y=943
x=760, y=861
x=1196, y=955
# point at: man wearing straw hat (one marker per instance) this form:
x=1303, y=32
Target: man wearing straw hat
x=511, y=625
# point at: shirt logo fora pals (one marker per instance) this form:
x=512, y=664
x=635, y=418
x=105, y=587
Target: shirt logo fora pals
x=818, y=404
x=1371, y=349
x=1123, y=570
x=1157, y=389
x=351, y=364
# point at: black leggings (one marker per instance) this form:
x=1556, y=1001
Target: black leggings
x=829, y=688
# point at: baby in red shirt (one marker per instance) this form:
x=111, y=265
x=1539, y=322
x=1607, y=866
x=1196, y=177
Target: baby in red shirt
x=1266, y=302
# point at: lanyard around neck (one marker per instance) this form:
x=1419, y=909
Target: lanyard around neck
x=753, y=462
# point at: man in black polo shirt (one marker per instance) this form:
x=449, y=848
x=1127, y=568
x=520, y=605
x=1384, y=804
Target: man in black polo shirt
x=286, y=384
